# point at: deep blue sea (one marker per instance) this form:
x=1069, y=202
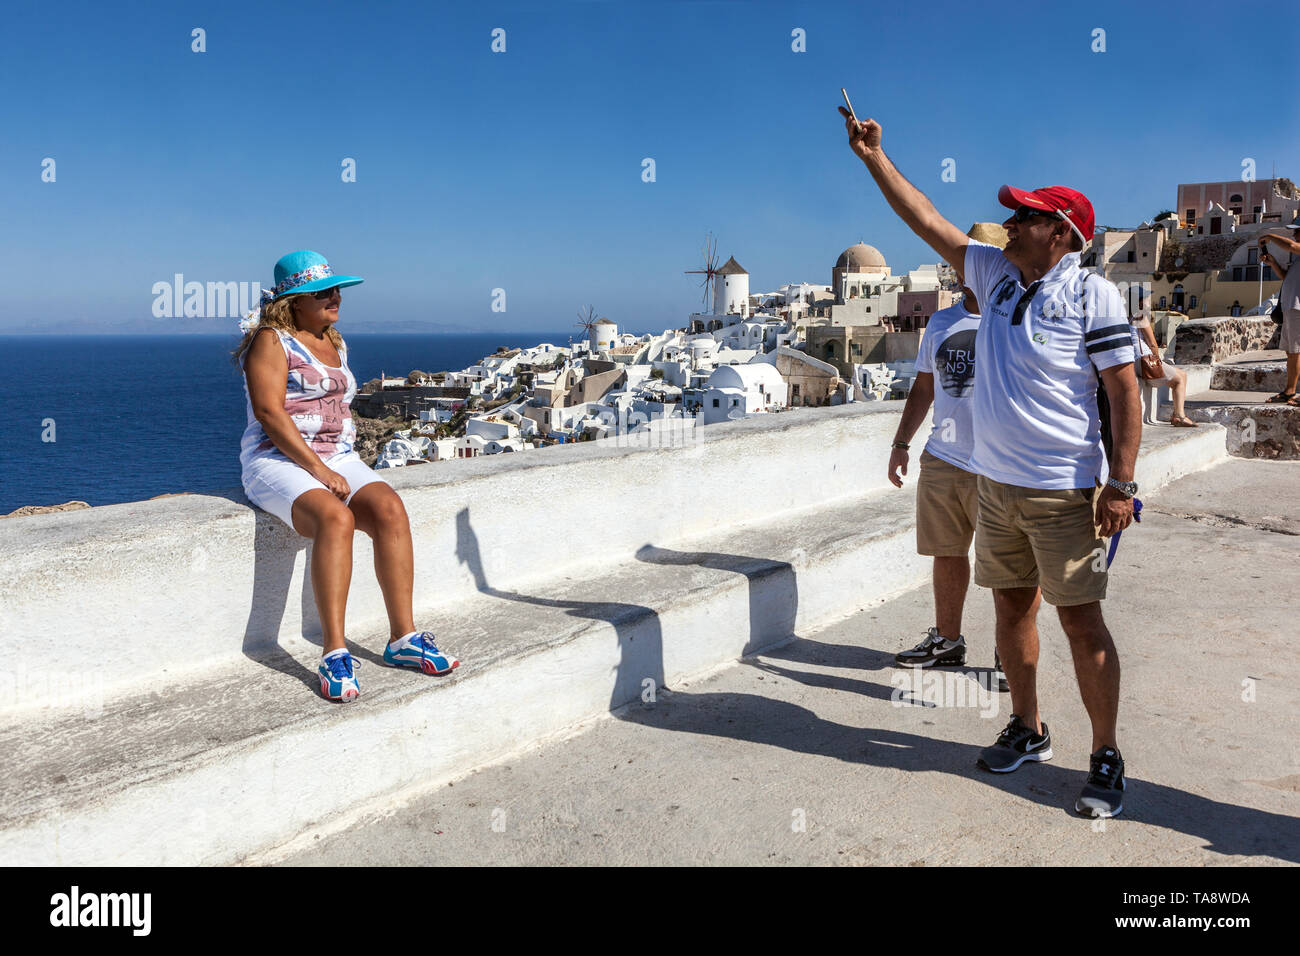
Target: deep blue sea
x=140, y=415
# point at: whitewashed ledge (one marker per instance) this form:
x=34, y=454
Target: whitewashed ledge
x=170, y=729
x=182, y=583
x=143, y=593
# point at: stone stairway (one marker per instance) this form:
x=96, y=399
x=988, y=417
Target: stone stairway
x=1236, y=398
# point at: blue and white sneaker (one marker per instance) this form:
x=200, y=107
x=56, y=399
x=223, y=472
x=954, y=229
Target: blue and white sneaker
x=419, y=651
x=338, y=679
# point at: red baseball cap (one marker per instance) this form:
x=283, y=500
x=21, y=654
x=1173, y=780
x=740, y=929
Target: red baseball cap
x=1072, y=204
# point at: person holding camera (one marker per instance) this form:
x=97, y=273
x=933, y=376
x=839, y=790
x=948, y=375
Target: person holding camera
x=1289, y=302
x=1049, y=331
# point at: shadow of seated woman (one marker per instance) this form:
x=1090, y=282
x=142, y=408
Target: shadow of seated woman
x=275, y=553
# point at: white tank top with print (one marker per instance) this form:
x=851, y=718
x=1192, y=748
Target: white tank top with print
x=318, y=399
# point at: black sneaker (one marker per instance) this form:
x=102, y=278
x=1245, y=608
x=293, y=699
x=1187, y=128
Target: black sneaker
x=1016, y=744
x=1103, y=794
x=934, y=650
x=997, y=672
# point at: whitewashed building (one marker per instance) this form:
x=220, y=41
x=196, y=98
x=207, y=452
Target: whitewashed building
x=866, y=290
x=440, y=449
x=470, y=446
x=492, y=427
x=735, y=391
x=731, y=289
x=604, y=335
x=400, y=451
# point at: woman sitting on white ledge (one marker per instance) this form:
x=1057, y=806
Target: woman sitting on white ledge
x=1168, y=374
x=298, y=463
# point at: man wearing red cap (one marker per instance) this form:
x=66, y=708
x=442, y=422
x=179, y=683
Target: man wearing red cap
x=1049, y=332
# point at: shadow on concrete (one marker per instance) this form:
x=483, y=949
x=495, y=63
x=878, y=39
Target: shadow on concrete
x=1227, y=828
x=852, y=657
x=1230, y=829
x=847, y=656
x=772, y=608
x=275, y=550
x=638, y=630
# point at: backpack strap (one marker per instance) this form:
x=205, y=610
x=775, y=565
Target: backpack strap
x=1103, y=414
x=1103, y=400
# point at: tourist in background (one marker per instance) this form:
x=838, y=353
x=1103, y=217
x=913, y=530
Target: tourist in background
x=1157, y=371
x=298, y=463
x=946, y=490
x=1289, y=302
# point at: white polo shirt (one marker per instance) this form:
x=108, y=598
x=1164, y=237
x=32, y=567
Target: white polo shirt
x=1035, y=399
x=948, y=352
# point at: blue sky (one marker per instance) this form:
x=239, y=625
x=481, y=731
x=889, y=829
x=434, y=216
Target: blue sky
x=522, y=170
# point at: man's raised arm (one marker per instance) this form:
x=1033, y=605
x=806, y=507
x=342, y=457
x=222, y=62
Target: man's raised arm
x=905, y=199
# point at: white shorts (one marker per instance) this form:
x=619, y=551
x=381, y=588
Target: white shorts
x=1289, y=338
x=273, y=483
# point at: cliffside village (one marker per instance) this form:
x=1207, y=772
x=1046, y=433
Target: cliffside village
x=855, y=339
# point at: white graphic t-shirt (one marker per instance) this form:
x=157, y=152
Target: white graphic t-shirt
x=948, y=352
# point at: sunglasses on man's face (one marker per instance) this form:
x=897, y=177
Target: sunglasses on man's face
x=324, y=295
x=1028, y=212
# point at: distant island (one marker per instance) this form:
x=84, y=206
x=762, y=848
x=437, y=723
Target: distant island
x=220, y=326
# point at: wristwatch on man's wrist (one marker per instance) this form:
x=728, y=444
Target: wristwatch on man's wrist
x=900, y=445
x=1126, y=488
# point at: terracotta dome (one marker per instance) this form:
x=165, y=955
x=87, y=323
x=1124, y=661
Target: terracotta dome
x=861, y=258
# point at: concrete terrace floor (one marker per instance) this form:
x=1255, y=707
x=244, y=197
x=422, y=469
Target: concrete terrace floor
x=802, y=756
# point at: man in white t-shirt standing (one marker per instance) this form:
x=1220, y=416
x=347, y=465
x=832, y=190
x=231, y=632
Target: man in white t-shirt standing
x=947, y=495
x=1048, y=333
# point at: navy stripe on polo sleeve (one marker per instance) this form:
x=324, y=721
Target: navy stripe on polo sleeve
x=1107, y=334
x=1106, y=331
x=1105, y=345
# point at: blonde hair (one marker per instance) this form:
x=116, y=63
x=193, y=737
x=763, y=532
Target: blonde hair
x=279, y=315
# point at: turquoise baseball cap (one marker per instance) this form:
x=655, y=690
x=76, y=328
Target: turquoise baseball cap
x=307, y=271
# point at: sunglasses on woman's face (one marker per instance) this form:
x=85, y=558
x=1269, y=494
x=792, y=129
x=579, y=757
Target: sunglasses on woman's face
x=324, y=295
x=1028, y=212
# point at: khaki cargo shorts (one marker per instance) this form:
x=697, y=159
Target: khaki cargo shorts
x=947, y=500
x=1030, y=537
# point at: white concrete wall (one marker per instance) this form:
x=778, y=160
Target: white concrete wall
x=180, y=584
